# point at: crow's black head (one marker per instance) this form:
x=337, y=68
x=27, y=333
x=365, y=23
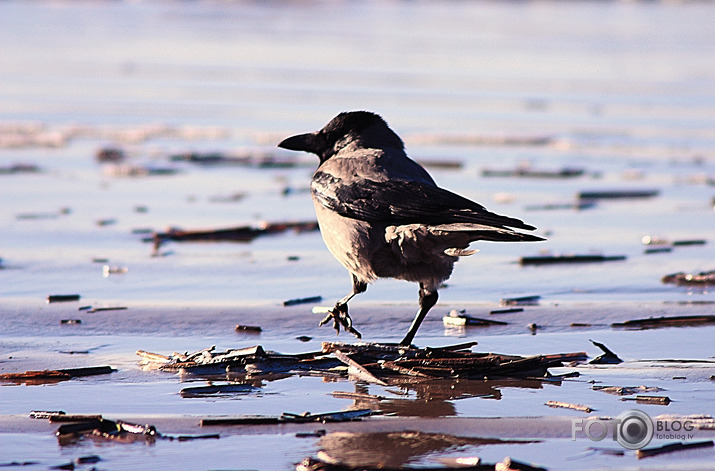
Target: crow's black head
x=366, y=129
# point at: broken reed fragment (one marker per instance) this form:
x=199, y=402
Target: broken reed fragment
x=578, y=206
x=470, y=139
x=288, y=417
x=357, y=370
x=564, y=259
x=248, y=328
x=507, y=311
x=526, y=171
x=19, y=168
x=86, y=426
x=45, y=414
x=103, y=309
x=617, y=194
x=62, y=298
x=650, y=240
x=671, y=447
x=90, y=459
x=186, y=438
x=107, y=429
x=308, y=300
x=625, y=390
x=690, y=279
x=59, y=374
x=566, y=405
x=356, y=396
x=232, y=234
x=681, y=243
x=109, y=270
x=675, y=321
x=250, y=361
x=455, y=318
x=607, y=358
x=316, y=434
x=521, y=301
x=447, y=164
x=529, y=172
x=257, y=159
x=217, y=390
x=54, y=418
x=658, y=250
x=241, y=420
x=152, y=357
x=656, y=400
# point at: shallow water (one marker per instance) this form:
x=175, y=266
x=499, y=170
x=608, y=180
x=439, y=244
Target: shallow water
x=622, y=90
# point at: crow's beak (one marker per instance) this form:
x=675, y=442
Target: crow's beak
x=304, y=142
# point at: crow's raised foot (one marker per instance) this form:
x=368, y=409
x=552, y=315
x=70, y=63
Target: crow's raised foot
x=339, y=315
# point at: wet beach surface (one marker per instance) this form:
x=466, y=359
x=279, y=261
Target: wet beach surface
x=620, y=92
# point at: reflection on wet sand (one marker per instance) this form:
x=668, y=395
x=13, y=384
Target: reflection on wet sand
x=392, y=450
x=409, y=397
x=435, y=398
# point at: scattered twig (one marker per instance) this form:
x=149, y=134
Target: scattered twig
x=357, y=369
x=521, y=301
x=288, y=417
x=526, y=171
x=566, y=405
x=19, y=168
x=607, y=358
x=649, y=240
x=507, y=311
x=248, y=328
x=308, y=300
x=54, y=418
x=356, y=396
x=671, y=447
x=690, y=279
x=56, y=375
x=617, y=194
x=458, y=319
x=45, y=414
x=625, y=390
x=61, y=298
x=108, y=429
x=657, y=400
x=233, y=234
x=217, y=390
x=578, y=206
x=655, y=322
x=564, y=259
x=103, y=309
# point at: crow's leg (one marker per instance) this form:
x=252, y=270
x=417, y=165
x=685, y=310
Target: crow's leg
x=339, y=313
x=428, y=298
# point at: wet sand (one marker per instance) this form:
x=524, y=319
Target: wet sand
x=622, y=93
x=425, y=423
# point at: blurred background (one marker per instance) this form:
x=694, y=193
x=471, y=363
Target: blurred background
x=120, y=119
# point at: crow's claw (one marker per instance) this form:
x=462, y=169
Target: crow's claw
x=340, y=317
x=326, y=319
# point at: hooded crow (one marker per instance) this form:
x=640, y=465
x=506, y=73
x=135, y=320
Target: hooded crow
x=382, y=215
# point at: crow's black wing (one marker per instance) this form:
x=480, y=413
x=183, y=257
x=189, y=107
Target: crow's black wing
x=403, y=202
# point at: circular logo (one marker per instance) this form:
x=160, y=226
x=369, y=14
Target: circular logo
x=634, y=429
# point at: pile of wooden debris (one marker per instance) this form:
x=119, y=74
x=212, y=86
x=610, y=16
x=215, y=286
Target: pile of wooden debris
x=377, y=363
